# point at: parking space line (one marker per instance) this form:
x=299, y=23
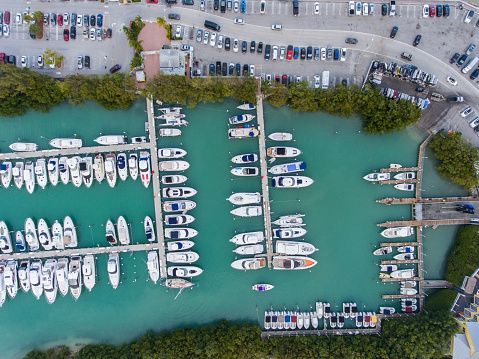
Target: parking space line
x=400, y=10
x=326, y=9
x=320, y=7
x=279, y=8
x=334, y=8
x=456, y=13
x=306, y=9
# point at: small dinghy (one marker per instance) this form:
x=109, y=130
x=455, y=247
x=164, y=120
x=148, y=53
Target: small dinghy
x=149, y=230
x=243, y=132
x=248, y=238
x=383, y=250
x=290, y=221
x=288, y=168
x=242, y=198
x=246, y=107
x=245, y=171
x=281, y=136
x=123, y=232
x=173, y=179
x=178, y=192
x=171, y=153
x=170, y=132
x=248, y=211
x=52, y=169
x=63, y=169
x=240, y=119
x=291, y=181
x=250, y=249
x=178, y=206
x=246, y=158
x=173, y=165
x=133, y=165
x=179, y=245
x=293, y=232
x=180, y=233
x=178, y=219
x=17, y=173
x=283, y=152
x=184, y=271
x=23, y=146
x=6, y=173
x=262, y=287
x=404, y=187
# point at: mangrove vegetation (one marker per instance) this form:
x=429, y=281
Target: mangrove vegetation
x=463, y=258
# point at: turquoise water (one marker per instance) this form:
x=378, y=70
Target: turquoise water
x=340, y=208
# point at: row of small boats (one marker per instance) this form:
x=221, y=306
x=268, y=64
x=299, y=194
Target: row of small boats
x=386, y=176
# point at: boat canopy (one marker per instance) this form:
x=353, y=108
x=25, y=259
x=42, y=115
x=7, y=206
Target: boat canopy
x=281, y=151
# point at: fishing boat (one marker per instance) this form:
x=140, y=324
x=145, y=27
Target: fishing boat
x=281, y=151
x=387, y=310
x=3, y=289
x=10, y=278
x=314, y=320
x=74, y=165
x=89, y=271
x=405, y=176
x=133, y=165
x=404, y=273
x=49, y=280
x=243, y=132
x=292, y=232
x=173, y=165
x=57, y=235
x=180, y=233
x=307, y=320
x=246, y=158
x=98, y=168
x=110, y=169
x=249, y=263
x=17, y=173
x=44, y=236
x=250, y=249
x=242, y=198
x=6, y=173
x=354, y=310
x=170, y=132
x=29, y=176
x=110, y=232
x=61, y=273
x=24, y=275
x=149, y=230
x=281, y=136
x=35, y=276
x=145, y=169
x=267, y=320
x=262, y=287
x=153, y=266
x=406, y=249
x=240, y=119
x=184, y=271
x=122, y=167
x=383, y=250
x=173, y=179
x=281, y=318
x=109, y=140
x=179, y=245
x=178, y=192
x=300, y=321
x=182, y=257
x=290, y=221
x=388, y=268
x=288, y=168
x=178, y=206
x=178, y=219
x=408, y=284
x=123, y=233
x=69, y=233
x=287, y=320
x=20, y=241
x=63, y=169
x=171, y=153
x=31, y=235
x=23, y=146
x=75, y=277
x=246, y=107
x=5, y=240
x=113, y=267
x=64, y=143
x=52, y=169
x=333, y=320
x=293, y=262
x=245, y=171
x=173, y=120
x=295, y=248
x=346, y=309
x=177, y=283
x=396, y=232
x=359, y=320
x=375, y=176
x=86, y=171
x=404, y=187
x=247, y=211
x=321, y=309
x=408, y=291
x=405, y=257
x=41, y=172
x=341, y=317
x=291, y=181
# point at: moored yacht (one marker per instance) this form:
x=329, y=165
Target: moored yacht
x=281, y=151
x=170, y=132
x=24, y=275
x=398, y=232
x=57, y=235
x=387, y=310
x=375, y=176
x=246, y=106
x=133, y=165
x=291, y=181
x=182, y=257
x=122, y=229
x=17, y=173
x=404, y=273
x=346, y=309
x=110, y=169
x=20, y=241
x=63, y=169
x=180, y=233
x=69, y=233
x=406, y=249
x=10, y=277
x=168, y=166
x=179, y=245
x=171, y=153
x=290, y=221
x=173, y=120
x=314, y=319
x=354, y=310
x=291, y=232
x=74, y=165
x=113, y=267
x=359, y=320
x=300, y=322
x=247, y=211
x=178, y=206
x=86, y=171
x=36, y=278
x=177, y=283
x=122, y=166
x=149, y=230
x=63, y=143
x=248, y=238
x=49, y=280
x=383, y=250
x=245, y=171
x=404, y=256
x=153, y=266
x=173, y=179
x=408, y=291
x=145, y=169
x=246, y=158
x=169, y=111
x=405, y=176
x=29, y=176
x=243, y=132
x=89, y=271
x=249, y=263
x=262, y=287
x=52, y=169
x=62, y=275
x=41, y=172
x=293, y=262
x=294, y=248
x=333, y=320
x=6, y=173
x=110, y=232
x=321, y=309
x=242, y=198
x=178, y=192
x=288, y=168
x=240, y=119
x=99, y=168
x=404, y=187
x=44, y=236
x=281, y=136
x=5, y=240
x=341, y=317
x=108, y=140
x=250, y=249
x=3, y=289
x=23, y=146
x=178, y=219
x=31, y=235
x=75, y=277
x=326, y=310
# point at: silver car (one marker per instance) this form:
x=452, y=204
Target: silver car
x=98, y=34
x=199, y=35
x=79, y=20
x=206, y=37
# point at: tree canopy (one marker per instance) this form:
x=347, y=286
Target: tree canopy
x=463, y=258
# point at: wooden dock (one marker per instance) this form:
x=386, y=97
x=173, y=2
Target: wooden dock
x=394, y=261
x=420, y=163
x=400, y=296
x=437, y=284
x=402, y=169
x=387, y=280
x=394, y=181
x=427, y=223
x=389, y=201
x=398, y=244
x=293, y=333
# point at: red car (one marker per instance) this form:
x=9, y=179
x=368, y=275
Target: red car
x=2, y=57
x=60, y=19
x=66, y=36
x=289, y=54
x=115, y=68
x=6, y=17
x=432, y=11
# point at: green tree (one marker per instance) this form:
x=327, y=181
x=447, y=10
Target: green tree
x=34, y=29
x=52, y=57
x=160, y=21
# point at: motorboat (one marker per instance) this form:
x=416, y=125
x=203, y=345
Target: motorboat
x=69, y=233
x=245, y=171
x=408, y=291
x=149, y=230
x=62, y=275
x=74, y=165
x=52, y=169
x=41, y=172
x=184, y=271
x=178, y=192
x=23, y=147
x=242, y=198
x=180, y=233
x=179, y=245
x=240, y=119
x=346, y=309
x=63, y=169
x=300, y=321
x=375, y=176
x=110, y=169
x=246, y=158
x=29, y=176
x=99, y=167
x=283, y=151
x=173, y=120
x=6, y=173
x=372, y=324
x=250, y=249
x=359, y=320
x=173, y=166
x=388, y=268
x=406, y=249
x=178, y=206
x=5, y=240
x=288, y=168
x=293, y=262
x=110, y=232
x=17, y=173
x=404, y=187
x=407, y=302
x=290, y=221
x=24, y=275
x=291, y=181
x=354, y=310
x=75, y=276
x=49, y=280
x=182, y=257
x=44, y=236
x=395, y=166
x=396, y=232
x=267, y=320
x=177, y=283
x=153, y=266
x=243, y=132
x=247, y=211
x=307, y=320
x=246, y=107
x=292, y=232
x=384, y=275
x=123, y=232
x=31, y=235
x=403, y=273
x=173, y=179
x=122, y=166
x=405, y=176
x=170, y=132
x=35, y=276
x=281, y=318
x=333, y=320
x=387, y=310
x=248, y=238
x=408, y=284
x=86, y=171
x=64, y=143
x=383, y=250
x=262, y=287
x=294, y=248
x=287, y=320
x=281, y=136
x=404, y=257
x=323, y=309
x=274, y=320
x=171, y=153
x=170, y=110
x=366, y=320
x=409, y=309
x=113, y=267
x=145, y=169
x=89, y=271
x=249, y=263
x=178, y=219
x=108, y=140
x=133, y=165
x=314, y=320
x=10, y=277
x=341, y=317
x=20, y=241
x=57, y=235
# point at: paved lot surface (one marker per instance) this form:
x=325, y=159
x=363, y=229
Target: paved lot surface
x=435, y=211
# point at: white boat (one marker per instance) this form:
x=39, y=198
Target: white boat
x=248, y=238
x=291, y=181
x=388, y=268
x=6, y=173
x=108, y=140
x=63, y=169
x=184, y=271
x=354, y=310
x=44, y=236
x=180, y=233
x=373, y=177
x=408, y=291
x=145, y=169
x=383, y=250
x=178, y=219
x=69, y=233
x=333, y=320
x=403, y=273
x=290, y=221
x=36, y=278
x=10, y=278
x=173, y=120
x=170, y=110
x=31, y=235
x=99, y=168
x=404, y=187
x=74, y=165
x=20, y=241
x=170, y=132
x=280, y=319
x=409, y=308
x=62, y=275
x=406, y=249
x=307, y=320
x=247, y=211
x=173, y=179
x=149, y=230
x=341, y=317
x=113, y=267
x=404, y=257
x=123, y=233
x=29, y=176
x=171, y=153
x=41, y=172
x=182, y=257
x=179, y=245
x=75, y=277
x=246, y=158
x=57, y=235
x=52, y=169
x=246, y=107
x=66, y=143
x=405, y=176
x=139, y=139
x=110, y=232
x=86, y=171
x=321, y=310
x=250, y=249
x=387, y=310
x=17, y=173
x=293, y=262
x=291, y=232
x=243, y=132
x=396, y=232
x=245, y=171
x=281, y=151
x=300, y=320
x=240, y=119
x=173, y=165
x=5, y=240
x=122, y=166
x=178, y=192
x=274, y=320
x=281, y=136
x=395, y=166
x=408, y=301
x=249, y=263
x=294, y=248
x=24, y=275
x=110, y=169
x=133, y=165
x=314, y=320
x=177, y=283
x=346, y=309
x=178, y=206
x=267, y=320
x=242, y=198
x=288, y=168
x=49, y=280
x=23, y=147
x=408, y=284
x=359, y=320
x=366, y=319
x=153, y=266
x=89, y=271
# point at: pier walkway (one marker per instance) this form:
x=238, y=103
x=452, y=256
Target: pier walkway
x=394, y=261
x=395, y=181
x=400, y=296
x=398, y=244
x=293, y=333
x=402, y=169
x=433, y=223
x=437, y=284
x=390, y=201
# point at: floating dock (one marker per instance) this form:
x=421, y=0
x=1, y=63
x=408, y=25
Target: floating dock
x=389, y=201
x=402, y=169
x=426, y=223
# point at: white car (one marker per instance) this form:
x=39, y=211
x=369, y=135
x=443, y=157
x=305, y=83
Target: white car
x=351, y=8
x=65, y=19
x=235, y=45
x=236, y=6
x=251, y=70
x=358, y=8
x=213, y=39
x=317, y=81
x=275, y=53
x=24, y=61
x=282, y=53
x=186, y=48
x=19, y=19
x=79, y=20
x=316, y=8
x=323, y=53
x=206, y=37
x=199, y=35
x=239, y=21
x=425, y=11
x=343, y=54
x=451, y=80
x=469, y=16
x=6, y=30
x=371, y=9
x=98, y=34
x=178, y=31
x=276, y=27
x=85, y=33
x=365, y=9
x=80, y=62
x=297, y=79
x=40, y=61
x=202, y=5
x=474, y=123
x=220, y=41
x=92, y=33
x=466, y=112
x=268, y=78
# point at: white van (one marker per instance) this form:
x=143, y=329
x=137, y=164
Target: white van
x=275, y=53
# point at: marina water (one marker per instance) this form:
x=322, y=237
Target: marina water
x=340, y=208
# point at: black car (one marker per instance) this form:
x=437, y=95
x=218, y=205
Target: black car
x=188, y=2
x=417, y=40
x=216, y=4
x=224, y=70
x=87, y=61
x=351, y=40
x=173, y=16
x=461, y=60
x=284, y=80
x=227, y=44
x=252, y=47
x=218, y=68
x=73, y=32
x=439, y=10
x=12, y=59
x=238, y=70
x=474, y=74
x=245, y=70
x=384, y=9
x=310, y=53
x=92, y=20
x=454, y=58
x=231, y=69
x=394, y=32
x=419, y=89
x=109, y=33
x=223, y=6
x=303, y=53
x=260, y=48
x=115, y=68
x=212, y=69
x=267, y=52
x=345, y=82
x=244, y=47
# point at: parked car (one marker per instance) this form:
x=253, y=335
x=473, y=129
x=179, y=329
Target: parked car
x=316, y=8
x=188, y=2
x=109, y=32
x=289, y=53
x=262, y=7
x=455, y=99
x=252, y=47
x=251, y=70
x=238, y=70
x=454, y=58
x=243, y=6
x=199, y=35
x=244, y=47
x=282, y=53
x=470, y=49
x=115, y=68
x=468, y=17
x=245, y=69
x=24, y=61
x=99, y=20
x=66, y=36
x=461, y=60
x=236, y=6
x=260, y=48
x=394, y=31
x=384, y=9
x=235, y=45
x=92, y=20
x=439, y=10
x=92, y=34
x=212, y=69
x=87, y=61
x=316, y=53
x=466, y=112
x=296, y=53
x=317, y=82
x=231, y=69
x=330, y=52
x=447, y=11
x=224, y=69
x=336, y=54
x=323, y=53
x=351, y=8
x=173, y=16
x=267, y=52
x=425, y=11
x=80, y=62
x=303, y=53
x=432, y=11
x=227, y=44
x=202, y=5
x=474, y=74
x=40, y=61
x=73, y=32
x=309, y=53
x=343, y=54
